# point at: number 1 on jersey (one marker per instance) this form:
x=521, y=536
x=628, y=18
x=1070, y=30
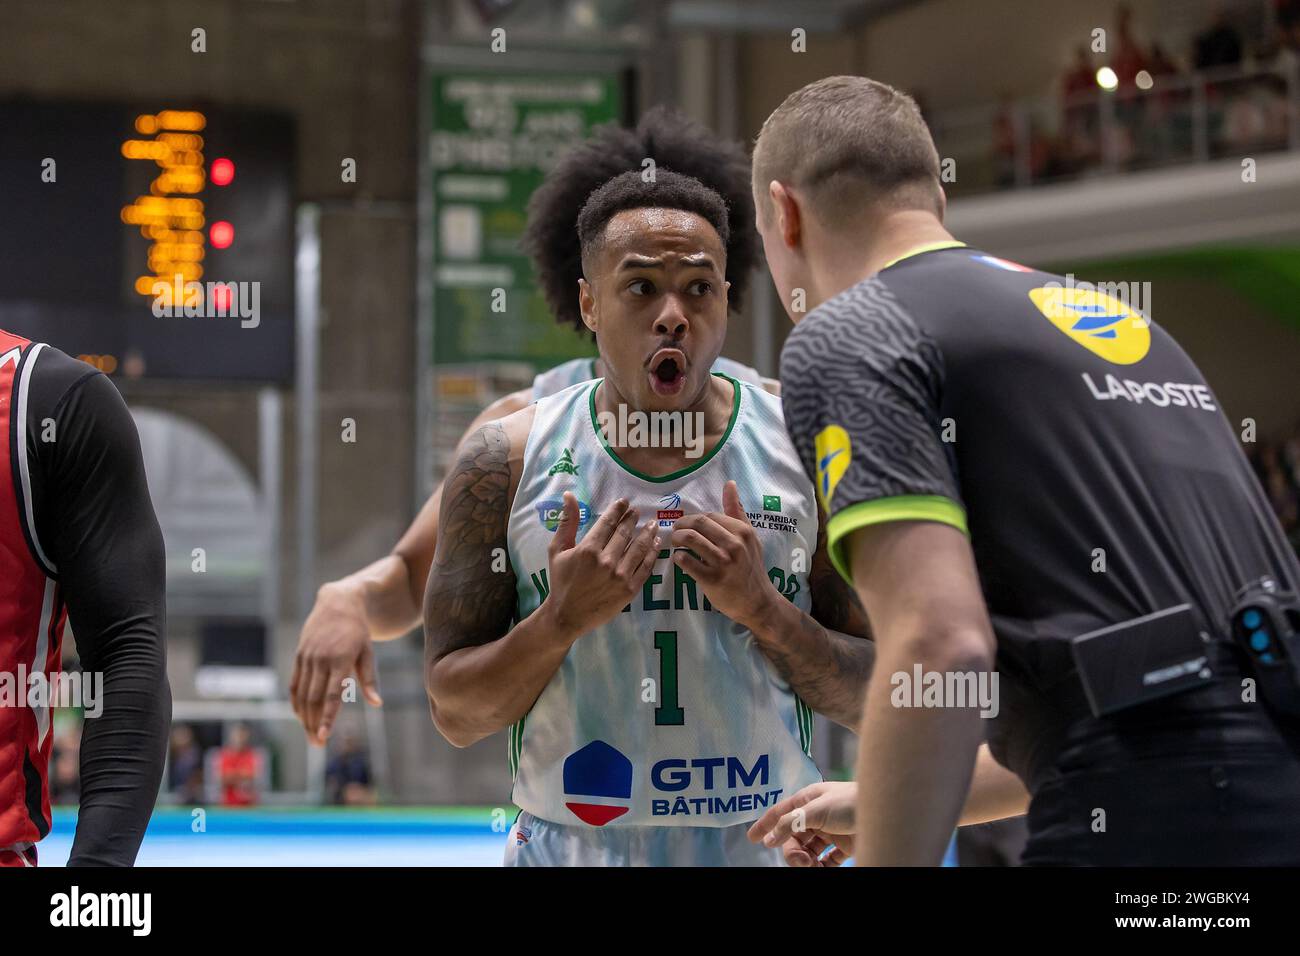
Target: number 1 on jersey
x=669, y=712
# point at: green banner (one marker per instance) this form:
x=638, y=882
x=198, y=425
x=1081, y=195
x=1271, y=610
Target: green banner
x=492, y=138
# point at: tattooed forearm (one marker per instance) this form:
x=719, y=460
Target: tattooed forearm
x=467, y=602
x=835, y=604
x=826, y=656
x=829, y=670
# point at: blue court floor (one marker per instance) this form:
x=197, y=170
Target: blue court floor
x=423, y=836
x=396, y=836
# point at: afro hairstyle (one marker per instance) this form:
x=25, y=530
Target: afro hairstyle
x=676, y=143
x=628, y=190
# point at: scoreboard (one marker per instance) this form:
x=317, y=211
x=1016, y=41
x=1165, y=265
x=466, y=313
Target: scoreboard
x=151, y=240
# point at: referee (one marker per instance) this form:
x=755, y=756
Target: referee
x=1010, y=463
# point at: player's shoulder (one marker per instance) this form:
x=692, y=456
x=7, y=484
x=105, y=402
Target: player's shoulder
x=562, y=376
x=53, y=363
x=910, y=303
x=497, y=441
x=52, y=375
x=737, y=370
x=866, y=319
x=508, y=404
x=755, y=395
x=952, y=281
x=517, y=425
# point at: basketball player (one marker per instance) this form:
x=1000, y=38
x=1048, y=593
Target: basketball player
x=381, y=601
x=659, y=679
x=78, y=539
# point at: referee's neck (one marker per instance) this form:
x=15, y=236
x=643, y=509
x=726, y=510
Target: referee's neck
x=842, y=259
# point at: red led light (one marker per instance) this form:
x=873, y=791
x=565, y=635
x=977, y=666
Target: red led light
x=222, y=234
x=222, y=172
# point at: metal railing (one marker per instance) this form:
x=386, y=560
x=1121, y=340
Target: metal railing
x=1181, y=118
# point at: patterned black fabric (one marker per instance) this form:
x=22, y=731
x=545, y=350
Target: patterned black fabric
x=1099, y=477
x=860, y=362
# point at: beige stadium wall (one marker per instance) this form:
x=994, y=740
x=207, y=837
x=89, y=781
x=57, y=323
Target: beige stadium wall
x=1248, y=356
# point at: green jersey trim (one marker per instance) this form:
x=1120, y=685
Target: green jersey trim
x=897, y=508
x=804, y=717
x=515, y=745
x=600, y=436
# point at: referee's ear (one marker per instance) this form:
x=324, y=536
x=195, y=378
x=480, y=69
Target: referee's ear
x=785, y=209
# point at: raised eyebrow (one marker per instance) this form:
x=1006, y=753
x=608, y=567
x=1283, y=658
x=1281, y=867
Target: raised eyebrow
x=636, y=261
x=699, y=260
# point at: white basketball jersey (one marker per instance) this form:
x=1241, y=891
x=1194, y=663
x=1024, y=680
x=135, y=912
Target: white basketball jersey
x=584, y=370
x=669, y=714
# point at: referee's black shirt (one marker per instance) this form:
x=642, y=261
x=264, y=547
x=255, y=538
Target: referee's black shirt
x=1060, y=429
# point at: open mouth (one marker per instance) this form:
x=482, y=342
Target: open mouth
x=667, y=371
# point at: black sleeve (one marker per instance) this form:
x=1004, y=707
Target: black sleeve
x=96, y=524
x=861, y=387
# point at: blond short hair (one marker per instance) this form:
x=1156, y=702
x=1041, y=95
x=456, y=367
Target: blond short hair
x=848, y=143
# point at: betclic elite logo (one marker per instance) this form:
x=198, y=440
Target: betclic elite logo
x=1103, y=323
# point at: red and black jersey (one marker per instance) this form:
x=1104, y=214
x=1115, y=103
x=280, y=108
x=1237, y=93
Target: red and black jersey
x=32, y=614
x=77, y=532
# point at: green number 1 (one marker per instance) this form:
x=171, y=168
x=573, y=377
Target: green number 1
x=669, y=713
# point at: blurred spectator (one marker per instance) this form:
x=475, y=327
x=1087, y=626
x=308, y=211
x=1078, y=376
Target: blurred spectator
x=1042, y=153
x=1079, y=117
x=347, y=775
x=1159, y=137
x=1288, y=25
x=65, y=766
x=1128, y=59
x=1079, y=77
x=1256, y=115
x=1004, y=142
x=185, y=765
x=1218, y=45
x=1158, y=111
x=1119, y=141
x=1159, y=63
x=239, y=766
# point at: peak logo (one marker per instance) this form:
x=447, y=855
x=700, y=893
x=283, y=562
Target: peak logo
x=597, y=783
x=1101, y=323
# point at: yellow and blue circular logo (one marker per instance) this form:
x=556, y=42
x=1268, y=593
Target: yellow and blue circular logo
x=832, y=449
x=1103, y=324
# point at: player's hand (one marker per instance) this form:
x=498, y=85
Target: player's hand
x=591, y=582
x=334, y=645
x=727, y=560
x=817, y=818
